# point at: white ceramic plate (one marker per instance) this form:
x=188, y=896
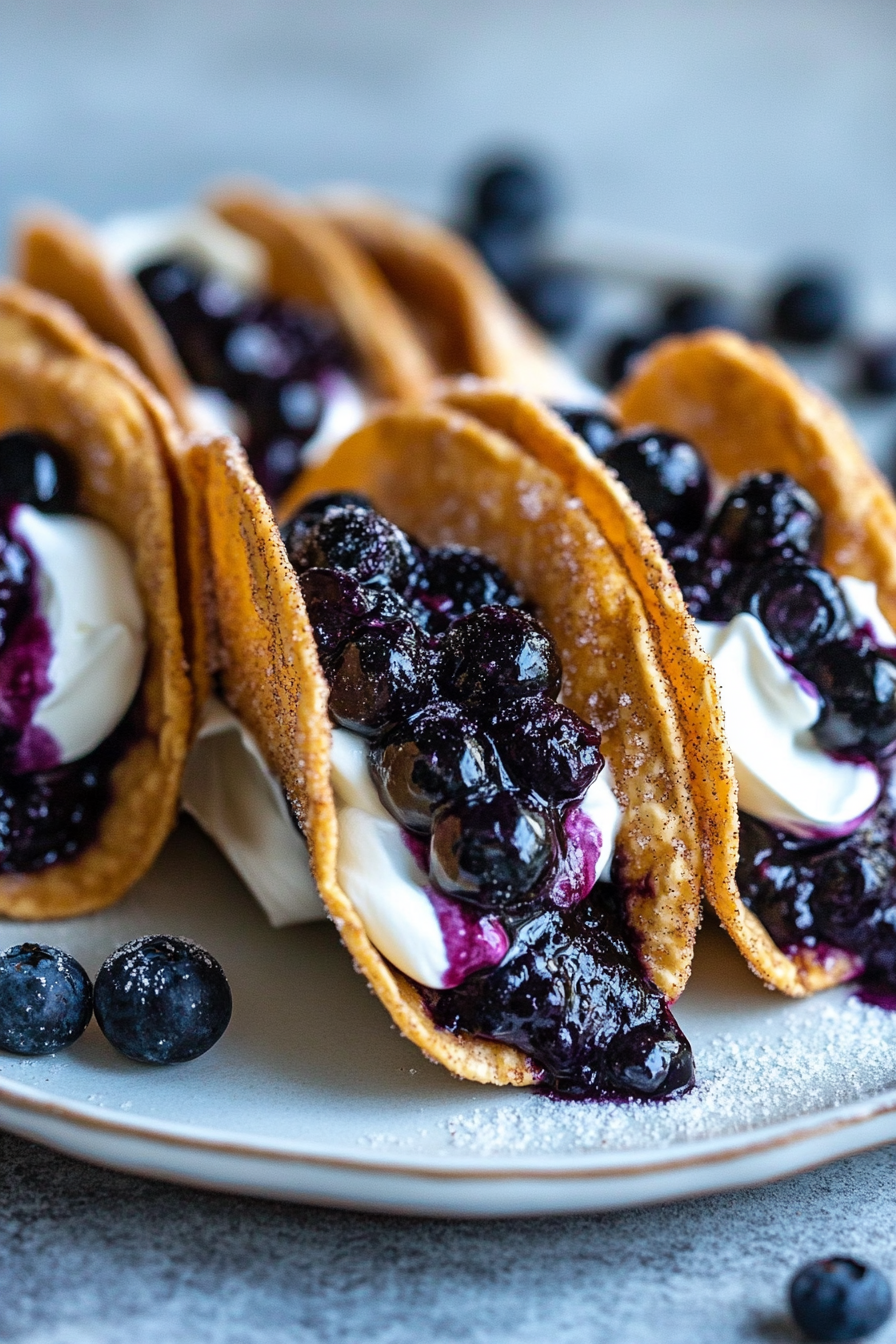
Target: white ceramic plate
x=312, y=1095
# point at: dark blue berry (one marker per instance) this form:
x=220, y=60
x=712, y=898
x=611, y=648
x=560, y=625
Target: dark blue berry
x=666, y=475
x=336, y=604
x=555, y=295
x=162, y=1000
x=199, y=311
x=877, y=369
x=508, y=251
x=45, y=999
x=497, y=651
x=695, y=309
x=710, y=585
x=546, y=748
x=383, y=672
x=434, y=755
x=453, y=581
x=36, y=470
x=811, y=308
x=839, y=1299
x=858, y=689
x=800, y=605
x=492, y=850
x=620, y=356
x=767, y=517
x=597, y=427
x=516, y=192
x=358, y=540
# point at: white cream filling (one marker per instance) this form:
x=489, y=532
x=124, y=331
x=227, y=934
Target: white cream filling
x=783, y=776
x=89, y=599
x=861, y=602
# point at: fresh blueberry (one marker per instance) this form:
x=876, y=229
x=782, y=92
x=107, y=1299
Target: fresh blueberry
x=454, y=581
x=555, y=295
x=358, y=540
x=768, y=516
x=162, y=1000
x=598, y=427
x=620, y=356
x=546, y=748
x=810, y=308
x=508, y=251
x=382, y=673
x=515, y=192
x=858, y=690
x=45, y=999
x=800, y=605
x=15, y=584
x=36, y=470
x=696, y=309
x=839, y=1299
x=877, y=369
x=434, y=755
x=497, y=651
x=491, y=849
x=666, y=475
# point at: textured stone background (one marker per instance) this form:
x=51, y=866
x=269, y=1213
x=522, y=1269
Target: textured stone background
x=756, y=124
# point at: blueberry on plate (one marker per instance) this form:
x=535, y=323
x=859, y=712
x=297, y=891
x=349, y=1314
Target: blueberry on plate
x=598, y=427
x=162, y=1000
x=555, y=294
x=666, y=475
x=800, y=605
x=767, y=517
x=45, y=999
x=546, y=748
x=516, y=192
x=499, y=652
x=492, y=850
x=619, y=357
x=36, y=470
x=810, y=308
x=839, y=1299
x=436, y=754
x=358, y=540
x=858, y=690
x=382, y=673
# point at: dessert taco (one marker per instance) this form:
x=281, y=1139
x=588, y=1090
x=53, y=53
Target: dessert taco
x=524, y=914
x=95, y=704
x=792, y=579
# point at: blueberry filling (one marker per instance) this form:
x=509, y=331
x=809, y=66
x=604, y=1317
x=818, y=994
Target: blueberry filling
x=272, y=358
x=432, y=656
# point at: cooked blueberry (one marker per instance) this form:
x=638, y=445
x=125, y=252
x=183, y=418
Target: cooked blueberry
x=199, y=311
x=666, y=475
x=162, y=1000
x=358, y=540
x=277, y=464
x=695, y=309
x=839, y=1299
x=497, y=651
x=800, y=605
x=45, y=999
x=508, y=251
x=768, y=516
x=858, y=690
x=36, y=470
x=710, y=585
x=877, y=368
x=336, y=605
x=620, y=356
x=810, y=309
x=281, y=343
x=434, y=755
x=380, y=674
x=15, y=584
x=314, y=508
x=516, y=192
x=283, y=415
x=546, y=748
x=597, y=427
x=555, y=295
x=571, y=993
x=454, y=581
x=491, y=849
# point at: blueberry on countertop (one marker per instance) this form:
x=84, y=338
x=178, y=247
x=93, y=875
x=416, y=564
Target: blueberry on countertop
x=619, y=357
x=555, y=294
x=839, y=1299
x=162, y=1000
x=877, y=369
x=666, y=475
x=810, y=308
x=36, y=470
x=45, y=999
x=508, y=251
x=695, y=309
x=598, y=426
x=516, y=192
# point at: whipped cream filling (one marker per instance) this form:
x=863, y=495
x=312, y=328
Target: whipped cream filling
x=88, y=600
x=236, y=799
x=783, y=776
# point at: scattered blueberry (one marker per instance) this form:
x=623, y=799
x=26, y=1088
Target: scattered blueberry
x=382, y=673
x=695, y=309
x=515, y=192
x=497, y=651
x=434, y=755
x=162, y=1000
x=666, y=475
x=810, y=308
x=800, y=605
x=598, y=427
x=839, y=1299
x=546, y=748
x=45, y=999
x=555, y=295
x=620, y=355
x=358, y=540
x=36, y=470
x=768, y=516
x=877, y=369
x=491, y=849
x=858, y=690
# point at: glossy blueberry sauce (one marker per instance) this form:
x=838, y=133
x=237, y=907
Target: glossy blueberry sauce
x=489, y=773
x=24, y=666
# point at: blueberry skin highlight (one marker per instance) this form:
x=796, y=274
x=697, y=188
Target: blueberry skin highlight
x=839, y=1299
x=162, y=1000
x=45, y=999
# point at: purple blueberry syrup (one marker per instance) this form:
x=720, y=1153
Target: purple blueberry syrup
x=25, y=656
x=432, y=656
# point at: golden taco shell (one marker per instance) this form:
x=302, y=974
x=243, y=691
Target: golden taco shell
x=55, y=377
x=446, y=476
x=747, y=412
